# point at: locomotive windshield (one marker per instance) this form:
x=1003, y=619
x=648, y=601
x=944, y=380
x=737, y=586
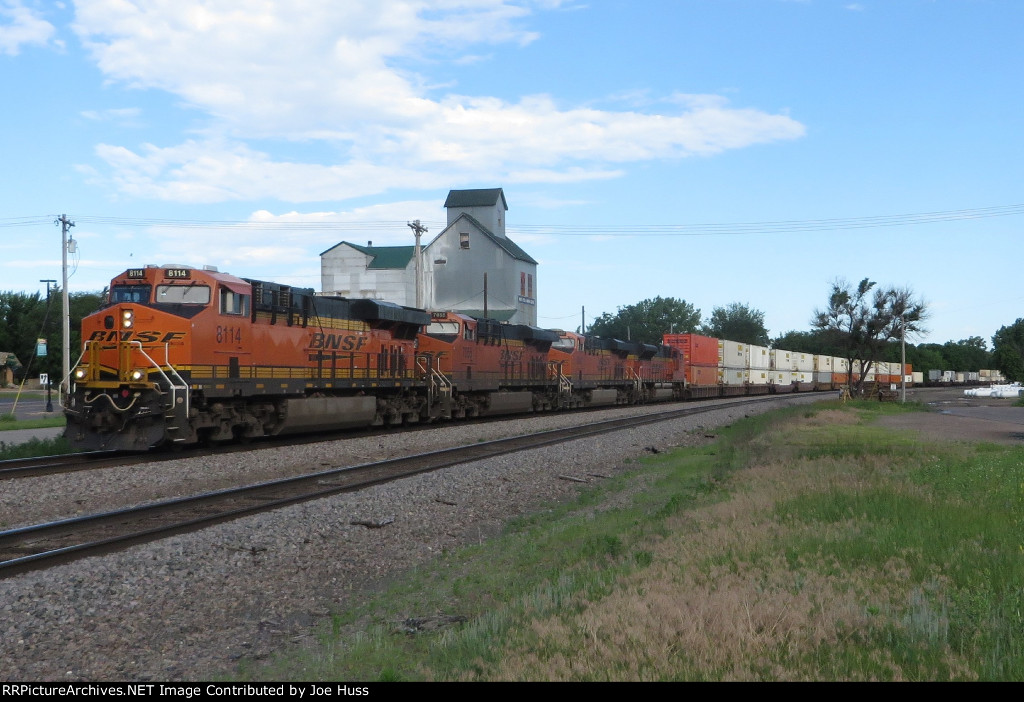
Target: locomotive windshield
x=190, y=294
x=565, y=343
x=130, y=293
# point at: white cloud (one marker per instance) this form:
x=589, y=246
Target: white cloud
x=21, y=26
x=344, y=74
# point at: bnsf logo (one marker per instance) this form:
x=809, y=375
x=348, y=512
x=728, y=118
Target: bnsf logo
x=146, y=337
x=337, y=342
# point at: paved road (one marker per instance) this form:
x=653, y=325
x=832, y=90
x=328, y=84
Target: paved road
x=28, y=406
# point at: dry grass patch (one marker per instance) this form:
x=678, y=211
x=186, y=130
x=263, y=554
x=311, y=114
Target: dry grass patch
x=728, y=598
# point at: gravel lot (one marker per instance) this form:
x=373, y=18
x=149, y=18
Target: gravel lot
x=188, y=607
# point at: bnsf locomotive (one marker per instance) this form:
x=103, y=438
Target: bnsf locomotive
x=181, y=355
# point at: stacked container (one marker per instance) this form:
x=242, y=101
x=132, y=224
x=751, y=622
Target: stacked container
x=840, y=371
x=782, y=373
x=733, y=372
x=803, y=370
x=700, y=359
x=759, y=363
x=822, y=372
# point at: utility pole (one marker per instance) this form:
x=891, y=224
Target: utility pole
x=66, y=244
x=903, y=360
x=418, y=229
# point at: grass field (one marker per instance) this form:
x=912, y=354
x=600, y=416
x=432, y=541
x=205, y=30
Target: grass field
x=32, y=447
x=805, y=544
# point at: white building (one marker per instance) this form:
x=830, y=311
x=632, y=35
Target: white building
x=471, y=267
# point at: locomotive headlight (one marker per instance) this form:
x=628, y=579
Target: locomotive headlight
x=137, y=375
x=80, y=373
x=127, y=319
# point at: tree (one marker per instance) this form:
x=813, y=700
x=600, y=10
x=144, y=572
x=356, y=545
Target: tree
x=926, y=357
x=1008, y=350
x=818, y=342
x=27, y=317
x=967, y=354
x=737, y=322
x=648, y=320
x=865, y=322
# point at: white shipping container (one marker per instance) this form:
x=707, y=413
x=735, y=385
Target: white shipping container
x=782, y=377
x=918, y=377
x=758, y=357
x=781, y=359
x=840, y=365
x=759, y=376
x=733, y=376
x=804, y=377
x=732, y=354
x=803, y=362
x=823, y=364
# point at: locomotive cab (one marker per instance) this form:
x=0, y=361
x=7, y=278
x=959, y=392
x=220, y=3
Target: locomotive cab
x=130, y=387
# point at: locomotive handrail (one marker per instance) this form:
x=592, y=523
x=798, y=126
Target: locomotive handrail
x=170, y=384
x=439, y=382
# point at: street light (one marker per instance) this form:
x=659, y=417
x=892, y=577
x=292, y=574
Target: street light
x=49, y=399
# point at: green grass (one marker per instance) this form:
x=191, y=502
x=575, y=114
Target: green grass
x=33, y=447
x=806, y=544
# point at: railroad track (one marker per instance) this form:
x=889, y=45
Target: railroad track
x=52, y=543
x=64, y=463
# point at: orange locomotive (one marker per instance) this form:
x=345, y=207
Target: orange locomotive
x=181, y=355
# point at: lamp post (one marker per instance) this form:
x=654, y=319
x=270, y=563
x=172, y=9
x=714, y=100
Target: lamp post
x=49, y=383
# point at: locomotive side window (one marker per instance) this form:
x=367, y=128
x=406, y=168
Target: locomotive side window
x=187, y=294
x=233, y=303
x=565, y=343
x=130, y=293
x=443, y=329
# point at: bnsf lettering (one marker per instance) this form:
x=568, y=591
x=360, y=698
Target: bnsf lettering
x=337, y=342
x=146, y=337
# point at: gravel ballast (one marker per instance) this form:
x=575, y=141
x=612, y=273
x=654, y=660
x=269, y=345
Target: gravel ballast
x=189, y=607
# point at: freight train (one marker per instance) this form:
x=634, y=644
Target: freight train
x=183, y=355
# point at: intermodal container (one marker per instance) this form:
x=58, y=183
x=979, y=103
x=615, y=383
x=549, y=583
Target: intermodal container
x=782, y=360
x=803, y=361
x=823, y=364
x=782, y=377
x=702, y=375
x=759, y=376
x=733, y=376
x=732, y=354
x=758, y=357
x=697, y=350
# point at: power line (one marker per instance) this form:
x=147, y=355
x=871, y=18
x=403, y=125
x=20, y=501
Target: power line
x=698, y=229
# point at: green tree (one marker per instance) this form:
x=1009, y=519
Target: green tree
x=1008, y=350
x=967, y=354
x=648, y=320
x=27, y=317
x=737, y=322
x=816, y=341
x=925, y=357
x=865, y=320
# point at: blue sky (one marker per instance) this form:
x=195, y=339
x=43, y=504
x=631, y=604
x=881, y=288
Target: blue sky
x=717, y=151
